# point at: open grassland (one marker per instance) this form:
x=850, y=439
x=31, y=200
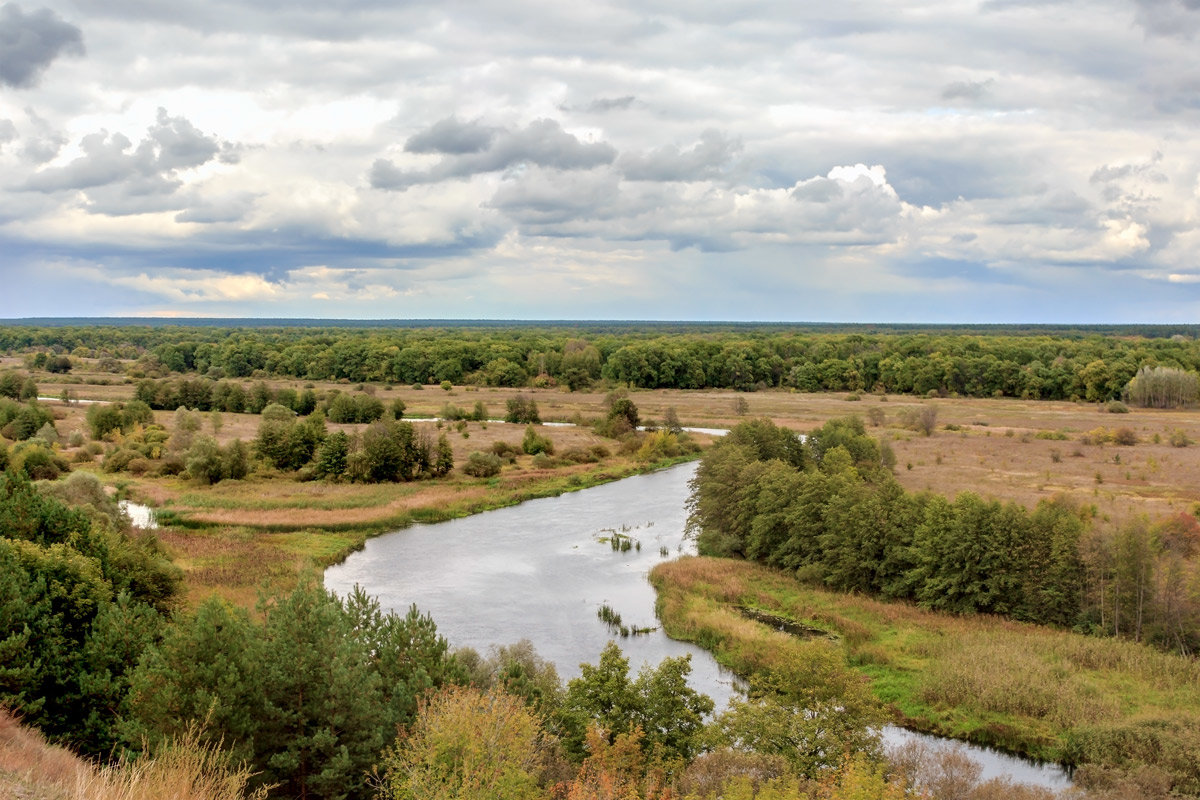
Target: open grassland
x=1003, y=448
x=1049, y=694
x=1011, y=449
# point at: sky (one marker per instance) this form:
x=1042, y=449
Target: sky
x=869, y=161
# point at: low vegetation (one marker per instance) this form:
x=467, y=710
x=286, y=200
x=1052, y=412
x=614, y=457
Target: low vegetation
x=1106, y=705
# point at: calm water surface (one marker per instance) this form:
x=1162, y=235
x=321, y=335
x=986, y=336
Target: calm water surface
x=540, y=571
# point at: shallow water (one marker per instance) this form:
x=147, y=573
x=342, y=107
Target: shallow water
x=141, y=516
x=541, y=571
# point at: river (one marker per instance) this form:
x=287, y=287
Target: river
x=542, y=569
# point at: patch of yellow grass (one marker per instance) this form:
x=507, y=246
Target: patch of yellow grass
x=31, y=769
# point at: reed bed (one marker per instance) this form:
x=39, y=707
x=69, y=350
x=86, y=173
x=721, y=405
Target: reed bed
x=1047, y=693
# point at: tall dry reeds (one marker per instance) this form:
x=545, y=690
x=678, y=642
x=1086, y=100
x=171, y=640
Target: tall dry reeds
x=184, y=769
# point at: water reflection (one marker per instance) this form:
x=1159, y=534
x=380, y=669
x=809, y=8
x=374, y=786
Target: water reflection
x=541, y=571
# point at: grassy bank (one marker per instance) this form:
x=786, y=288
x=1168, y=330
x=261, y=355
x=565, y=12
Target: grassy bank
x=1049, y=694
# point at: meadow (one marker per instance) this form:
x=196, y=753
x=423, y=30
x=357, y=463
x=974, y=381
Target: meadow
x=234, y=535
x=1049, y=694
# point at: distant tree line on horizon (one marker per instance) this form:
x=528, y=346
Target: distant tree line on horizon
x=1009, y=362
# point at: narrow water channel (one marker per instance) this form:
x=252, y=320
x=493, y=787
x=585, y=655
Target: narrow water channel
x=543, y=569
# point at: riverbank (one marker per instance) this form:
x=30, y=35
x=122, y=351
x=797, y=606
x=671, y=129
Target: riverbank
x=1048, y=694
x=236, y=537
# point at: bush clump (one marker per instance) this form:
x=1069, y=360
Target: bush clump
x=482, y=465
x=534, y=443
x=506, y=451
x=1163, y=387
x=522, y=409
x=1125, y=437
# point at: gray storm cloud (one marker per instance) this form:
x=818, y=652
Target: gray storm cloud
x=30, y=42
x=451, y=137
x=811, y=145
x=542, y=143
x=123, y=179
x=1178, y=18
x=706, y=159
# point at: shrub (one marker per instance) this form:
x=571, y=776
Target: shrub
x=1116, y=407
x=577, y=455
x=663, y=444
x=922, y=419
x=453, y=413
x=630, y=443
x=482, y=465
x=117, y=460
x=1125, y=437
x=37, y=462
x=204, y=462
x=522, y=409
x=1179, y=439
x=48, y=434
x=22, y=422
x=171, y=464
x=534, y=443
x=543, y=461
x=505, y=450
x=138, y=466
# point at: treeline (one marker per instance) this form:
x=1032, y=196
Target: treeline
x=80, y=598
x=204, y=394
x=386, y=450
x=827, y=508
x=1037, y=364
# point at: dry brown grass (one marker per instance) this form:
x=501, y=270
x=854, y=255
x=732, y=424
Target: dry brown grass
x=995, y=452
x=31, y=769
x=233, y=563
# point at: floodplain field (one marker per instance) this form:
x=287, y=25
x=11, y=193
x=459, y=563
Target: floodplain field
x=1045, y=693
x=232, y=536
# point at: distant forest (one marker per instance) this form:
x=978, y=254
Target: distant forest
x=1093, y=363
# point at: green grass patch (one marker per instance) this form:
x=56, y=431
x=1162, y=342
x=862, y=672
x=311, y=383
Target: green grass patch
x=1045, y=693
